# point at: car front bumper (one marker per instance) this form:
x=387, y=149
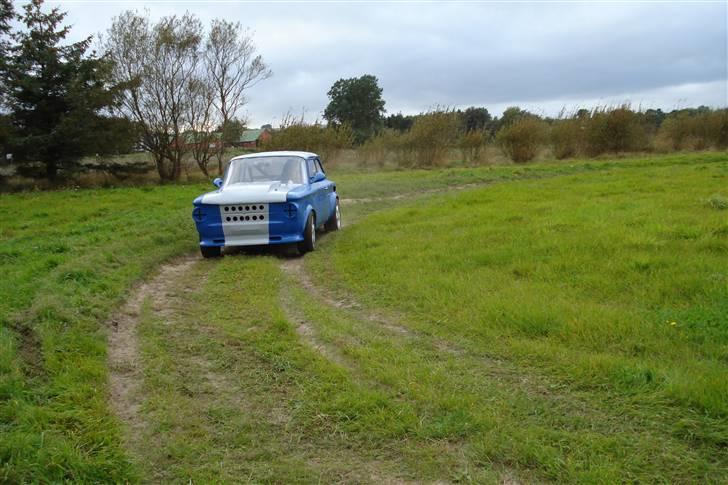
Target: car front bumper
x=248, y=224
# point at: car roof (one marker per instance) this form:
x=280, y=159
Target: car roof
x=276, y=154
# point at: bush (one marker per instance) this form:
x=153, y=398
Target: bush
x=430, y=138
x=388, y=145
x=472, y=145
x=718, y=128
x=691, y=130
x=522, y=139
x=326, y=141
x=567, y=137
x=615, y=130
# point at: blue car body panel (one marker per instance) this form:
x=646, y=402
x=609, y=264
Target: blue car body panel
x=244, y=220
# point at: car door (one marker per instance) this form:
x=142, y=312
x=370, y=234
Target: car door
x=318, y=191
x=327, y=189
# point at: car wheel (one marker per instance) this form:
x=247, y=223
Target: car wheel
x=334, y=222
x=309, y=236
x=211, y=251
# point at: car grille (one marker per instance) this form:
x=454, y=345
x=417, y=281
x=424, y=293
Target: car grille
x=245, y=212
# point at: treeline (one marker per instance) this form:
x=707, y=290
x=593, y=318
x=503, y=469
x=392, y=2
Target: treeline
x=442, y=135
x=522, y=136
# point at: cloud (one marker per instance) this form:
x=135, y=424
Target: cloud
x=543, y=55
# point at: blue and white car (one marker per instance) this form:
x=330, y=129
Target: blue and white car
x=267, y=198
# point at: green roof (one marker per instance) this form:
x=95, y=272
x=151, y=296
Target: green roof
x=194, y=137
x=250, y=135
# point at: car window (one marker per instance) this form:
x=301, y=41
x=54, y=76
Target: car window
x=311, y=167
x=265, y=169
x=319, y=167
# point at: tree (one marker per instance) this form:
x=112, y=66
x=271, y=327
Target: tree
x=234, y=68
x=475, y=119
x=399, y=122
x=202, y=138
x=157, y=64
x=511, y=115
x=58, y=94
x=179, y=85
x=357, y=102
x=7, y=13
x=232, y=130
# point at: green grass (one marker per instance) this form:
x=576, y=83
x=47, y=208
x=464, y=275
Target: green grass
x=611, y=286
x=67, y=258
x=540, y=346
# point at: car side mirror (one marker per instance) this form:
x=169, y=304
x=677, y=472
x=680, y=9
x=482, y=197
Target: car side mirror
x=317, y=177
x=217, y=182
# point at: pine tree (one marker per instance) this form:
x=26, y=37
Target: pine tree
x=7, y=13
x=57, y=93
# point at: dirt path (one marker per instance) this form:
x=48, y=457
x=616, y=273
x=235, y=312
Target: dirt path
x=125, y=368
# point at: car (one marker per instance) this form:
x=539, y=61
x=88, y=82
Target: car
x=279, y=197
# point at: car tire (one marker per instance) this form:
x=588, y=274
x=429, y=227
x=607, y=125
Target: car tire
x=309, y=236
x=334, y=222
x=211, y=251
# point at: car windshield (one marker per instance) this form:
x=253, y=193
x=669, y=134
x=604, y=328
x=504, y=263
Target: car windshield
x=266, y=169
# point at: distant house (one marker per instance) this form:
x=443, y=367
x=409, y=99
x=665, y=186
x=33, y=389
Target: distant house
x=192, y=139
x=253, y=138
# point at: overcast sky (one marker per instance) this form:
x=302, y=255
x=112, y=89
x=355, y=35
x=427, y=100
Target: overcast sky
x=541, y=56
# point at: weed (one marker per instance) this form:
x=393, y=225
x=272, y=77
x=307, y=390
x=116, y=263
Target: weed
x=718, y=202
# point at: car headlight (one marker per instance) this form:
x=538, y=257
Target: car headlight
x=198, y=214
x=291, y=210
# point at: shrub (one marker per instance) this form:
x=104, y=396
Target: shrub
x=615, y=130
x=567, y=137
x=431, y=136
x=522, y=139
x=718, y=128
x=691, y=130
x=326, y=141
x=387, y=145
x=472, y=145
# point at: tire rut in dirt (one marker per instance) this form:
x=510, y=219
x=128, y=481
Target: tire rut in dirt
x=126, y=373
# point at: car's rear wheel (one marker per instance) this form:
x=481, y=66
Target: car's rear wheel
x=309, y=236
x=211, y=251
x=334, y=222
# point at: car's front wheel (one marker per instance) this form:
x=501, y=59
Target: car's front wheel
x=211, y=251
x=334, y=222
x=309, y=236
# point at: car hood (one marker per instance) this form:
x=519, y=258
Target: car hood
x=249, y=193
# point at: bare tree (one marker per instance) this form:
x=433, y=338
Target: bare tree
x=234, y=67
x=157, y=64
x=178, y=88
x=204, y=141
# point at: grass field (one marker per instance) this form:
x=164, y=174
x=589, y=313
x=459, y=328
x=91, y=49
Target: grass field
x=566, y=322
